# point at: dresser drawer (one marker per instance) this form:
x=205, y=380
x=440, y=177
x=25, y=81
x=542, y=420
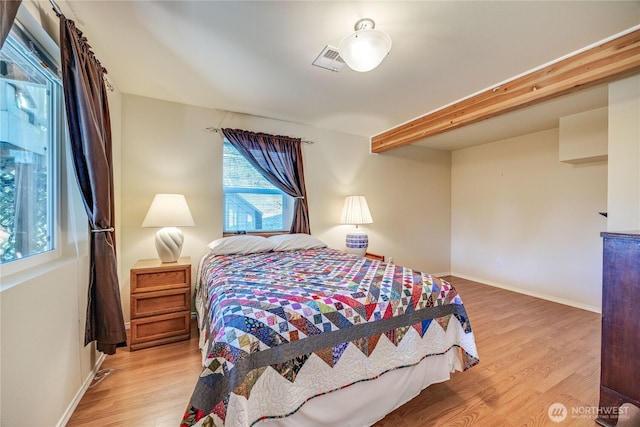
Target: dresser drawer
x=160, y=302
x=162, y=329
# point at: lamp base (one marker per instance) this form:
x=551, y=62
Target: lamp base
x=357, y=242
x=169, y=243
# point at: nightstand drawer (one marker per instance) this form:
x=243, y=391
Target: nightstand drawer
x=160, y=302
x=374, y=256
x=162, y=329
x=148, y=281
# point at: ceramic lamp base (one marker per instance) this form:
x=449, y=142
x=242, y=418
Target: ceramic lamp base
x=357, y=242
x=169, y=244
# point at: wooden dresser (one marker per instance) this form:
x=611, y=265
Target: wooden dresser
x=160, y=302
x=620, y=357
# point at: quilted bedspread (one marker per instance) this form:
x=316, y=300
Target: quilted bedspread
x=281, y=328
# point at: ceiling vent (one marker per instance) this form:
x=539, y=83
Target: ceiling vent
x=329, y=59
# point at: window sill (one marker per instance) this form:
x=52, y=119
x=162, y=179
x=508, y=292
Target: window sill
x=15, y=279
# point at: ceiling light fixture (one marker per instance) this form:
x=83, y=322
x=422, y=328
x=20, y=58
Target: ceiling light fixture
x=365, y=49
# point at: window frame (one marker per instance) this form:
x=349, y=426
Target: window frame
x=31, y=46
x=287, y=202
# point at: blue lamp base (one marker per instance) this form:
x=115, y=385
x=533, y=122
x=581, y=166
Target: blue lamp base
x=357, y=242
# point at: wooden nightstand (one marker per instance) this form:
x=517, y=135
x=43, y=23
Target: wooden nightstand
x=374, y=256
x=160, y=302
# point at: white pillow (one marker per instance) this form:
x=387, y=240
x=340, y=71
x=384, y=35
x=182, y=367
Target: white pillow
x=292, y=242
x=241, y=244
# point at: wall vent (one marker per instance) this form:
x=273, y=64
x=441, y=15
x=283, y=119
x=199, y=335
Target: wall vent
x=329, y=59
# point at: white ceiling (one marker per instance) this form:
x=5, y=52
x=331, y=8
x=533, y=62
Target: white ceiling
x=255, y=57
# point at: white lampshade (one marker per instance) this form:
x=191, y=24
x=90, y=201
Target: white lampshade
x=356, y=211
x=169, y=211
x=365, y=49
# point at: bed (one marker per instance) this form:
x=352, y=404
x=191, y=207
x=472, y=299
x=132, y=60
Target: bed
x=294, y=333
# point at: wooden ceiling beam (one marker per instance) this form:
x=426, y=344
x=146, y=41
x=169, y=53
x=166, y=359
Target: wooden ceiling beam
x=606, y=62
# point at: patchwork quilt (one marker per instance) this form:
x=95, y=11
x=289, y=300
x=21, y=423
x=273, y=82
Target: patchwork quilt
x=281, y=328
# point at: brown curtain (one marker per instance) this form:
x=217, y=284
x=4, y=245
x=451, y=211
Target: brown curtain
x=90, y=133
x=8, y=11
x=279, y=159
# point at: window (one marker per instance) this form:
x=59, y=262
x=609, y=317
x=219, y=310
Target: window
x=251, y=202
x=31, y=131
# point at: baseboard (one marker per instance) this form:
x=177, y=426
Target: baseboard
x=530, y=293
x=440, y=274
x=78, y=397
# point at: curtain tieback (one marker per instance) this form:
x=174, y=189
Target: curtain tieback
x=103, y=230
x=298, y=197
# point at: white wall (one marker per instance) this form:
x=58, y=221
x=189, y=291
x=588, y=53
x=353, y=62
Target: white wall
x=584, y=136
x=624, y=155
x=526, y=221
x=166, y=149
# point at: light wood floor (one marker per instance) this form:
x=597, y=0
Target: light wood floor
x=533, y=353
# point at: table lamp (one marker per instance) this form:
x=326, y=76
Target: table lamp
x=169, y=211
x=356, y=212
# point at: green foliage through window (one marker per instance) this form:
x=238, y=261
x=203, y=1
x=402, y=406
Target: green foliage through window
x=30, y=123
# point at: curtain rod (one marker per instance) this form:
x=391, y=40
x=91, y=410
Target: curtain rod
x=59, y=13
x=218, y=130
x=56, y=8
